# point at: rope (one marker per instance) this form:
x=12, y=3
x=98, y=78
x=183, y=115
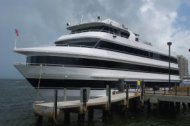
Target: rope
x=39, y=80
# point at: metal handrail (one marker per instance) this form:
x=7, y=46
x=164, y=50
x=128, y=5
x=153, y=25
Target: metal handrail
x=176, y=90
x=100, y=30
x=43, y=64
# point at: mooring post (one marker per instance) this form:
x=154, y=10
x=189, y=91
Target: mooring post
x=142, y=92
x=66, y=116
x=84, y=97
x=187, y=91
x=81, y=115
x=65, y=94
x=39, y=120
x=107, y=110
x=164, y=90
x=55, y=107
x=127, y=95
x=91, y=114
x=184, y=107
x=108, y=92
x=177, y=104
x=188, y=104
x=148, y=105
x=142, y=89
x=171, y=107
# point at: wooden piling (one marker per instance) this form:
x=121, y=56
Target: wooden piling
x=164, y=90
x=188, y=105
x=105, y=115
x=187, y=91
x=184, y=107
x=81, y=117
x=83, y=108
x=65, y=94
x=172, y=107
x=90, y=114
x=66, y=116
x=108, y=93
x=148, y=106
x=107, y=111
x=177, y=106
x=127, y=93
x=39, y=120
x=55, y=107
x=175, y=90
x=126, y=100
x=142, y=93
x=83, y=100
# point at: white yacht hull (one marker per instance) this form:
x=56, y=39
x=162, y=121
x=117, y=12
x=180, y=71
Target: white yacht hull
x=60, y=76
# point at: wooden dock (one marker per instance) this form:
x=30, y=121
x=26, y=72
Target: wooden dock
x=47, y=108
x=162, y=98
x=176, y=94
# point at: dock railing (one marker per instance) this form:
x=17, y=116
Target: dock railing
x=176, y=90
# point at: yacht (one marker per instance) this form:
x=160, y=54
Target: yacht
x=96, y=54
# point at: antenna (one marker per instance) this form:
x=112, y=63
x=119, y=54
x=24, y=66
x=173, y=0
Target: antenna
x=81, y=19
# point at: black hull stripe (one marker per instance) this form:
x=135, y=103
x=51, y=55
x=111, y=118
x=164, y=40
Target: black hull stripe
x=56, y=83
x=94, y=63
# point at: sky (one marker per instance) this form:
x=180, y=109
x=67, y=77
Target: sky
x=41, y=22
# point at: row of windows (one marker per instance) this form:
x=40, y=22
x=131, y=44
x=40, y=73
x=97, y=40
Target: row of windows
x=134, y=51
x=82, y=42
x=82, y=62
x=118, y=48
x=78, y=44
x=111, y=30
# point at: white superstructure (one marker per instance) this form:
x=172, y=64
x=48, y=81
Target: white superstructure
x=96, y=54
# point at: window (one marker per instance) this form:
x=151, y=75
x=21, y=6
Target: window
x=82, y=44
x=134, y=51
x=100, y=64
x=125, y=34
x=85, y=42
x=107, y=29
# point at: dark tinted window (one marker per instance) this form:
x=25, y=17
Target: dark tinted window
x=83, y=44
x=107, y=29
x=88, y=44
x=82, y=62
x=125, y=34
x=134, y=51
x=79, y=44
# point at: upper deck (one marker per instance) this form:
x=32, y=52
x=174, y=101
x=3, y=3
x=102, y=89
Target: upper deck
x=107, y=25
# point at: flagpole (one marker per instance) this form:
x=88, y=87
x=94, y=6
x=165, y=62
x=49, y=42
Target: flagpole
x=15, y=41
x=17, y=35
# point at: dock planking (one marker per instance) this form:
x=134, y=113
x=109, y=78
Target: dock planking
x=47, y=108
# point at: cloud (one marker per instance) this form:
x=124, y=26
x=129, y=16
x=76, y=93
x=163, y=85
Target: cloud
x=157, y=24
x=42, y=22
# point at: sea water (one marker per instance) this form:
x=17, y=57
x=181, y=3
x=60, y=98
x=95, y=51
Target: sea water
x=17, y=96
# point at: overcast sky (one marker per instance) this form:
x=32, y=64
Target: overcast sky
x=41, y=22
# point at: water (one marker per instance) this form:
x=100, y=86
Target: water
x=17, y=96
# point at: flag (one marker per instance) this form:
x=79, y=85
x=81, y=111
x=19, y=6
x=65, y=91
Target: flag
x=17, y=32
